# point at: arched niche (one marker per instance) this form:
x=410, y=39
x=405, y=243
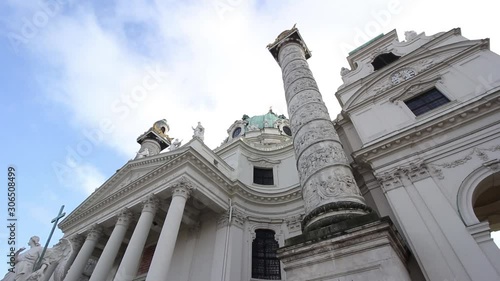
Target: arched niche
x=479, y=197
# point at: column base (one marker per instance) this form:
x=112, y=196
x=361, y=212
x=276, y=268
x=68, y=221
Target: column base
x=362, y=248
x=335, y=213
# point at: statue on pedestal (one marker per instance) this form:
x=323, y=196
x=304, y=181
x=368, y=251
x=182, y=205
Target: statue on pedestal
x=199, y=131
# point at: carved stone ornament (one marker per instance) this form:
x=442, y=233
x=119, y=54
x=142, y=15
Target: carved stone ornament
x=417, y=68
x=319, y=156
x=150, y=203
x=410, y=35
x=344, y=71
x=182, y=187
x=263, y=162
x=124, y=216
x=476, y=151
x=294, y=222
x=95, y=232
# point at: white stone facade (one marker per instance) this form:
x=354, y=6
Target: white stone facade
x=425, y=172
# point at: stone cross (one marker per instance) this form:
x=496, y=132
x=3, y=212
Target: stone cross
x=54, y=221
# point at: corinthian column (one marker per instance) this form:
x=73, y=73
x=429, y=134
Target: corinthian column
x=329, y=190
x=166, y=243
x=130, y=261
x=110, y=251
x=76, y=269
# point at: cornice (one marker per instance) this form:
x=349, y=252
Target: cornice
x=439, y=125
x=282, y=196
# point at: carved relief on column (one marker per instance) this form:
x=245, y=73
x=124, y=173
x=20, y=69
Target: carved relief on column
x=319, y=156
x=292, y=66
x=124, y=217
x=317, y=131
x=308, y=113
x=328, y=186
x=150, y=203
x=183, y=187
x=95, y=232
x=303, y=98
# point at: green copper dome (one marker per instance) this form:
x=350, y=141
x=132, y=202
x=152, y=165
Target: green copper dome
x=263, y=121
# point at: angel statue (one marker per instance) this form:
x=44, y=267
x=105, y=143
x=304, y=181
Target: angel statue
x=199, y=131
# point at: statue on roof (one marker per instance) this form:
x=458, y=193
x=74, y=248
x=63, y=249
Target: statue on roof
x=143, y=153
x=344, y=71
x=175, y=144
x=410, y=35
x=199, y=131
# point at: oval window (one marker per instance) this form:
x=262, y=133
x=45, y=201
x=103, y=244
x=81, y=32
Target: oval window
x=236, y=132
x=287, y=130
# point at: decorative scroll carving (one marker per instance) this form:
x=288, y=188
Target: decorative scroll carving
x=263, y=162
x=182, y=187
x=479, y=152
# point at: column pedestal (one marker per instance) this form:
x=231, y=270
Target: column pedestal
x=371, y=251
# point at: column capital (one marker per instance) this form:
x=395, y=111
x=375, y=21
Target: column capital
x=150, y=203
x=76, y=240
x=95, y=232
x=288, y=36
x=124, y=217
x=183, y=187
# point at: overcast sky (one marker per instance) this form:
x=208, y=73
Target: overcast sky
x=82, y=80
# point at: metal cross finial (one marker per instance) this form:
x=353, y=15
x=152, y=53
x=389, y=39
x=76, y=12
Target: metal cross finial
x=54, y=221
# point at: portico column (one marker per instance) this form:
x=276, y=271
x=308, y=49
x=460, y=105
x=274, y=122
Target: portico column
x=168, y=236
x=130, y=262
x=76, y=269
x=110, y=251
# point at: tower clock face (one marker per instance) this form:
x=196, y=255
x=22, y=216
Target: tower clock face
x=402, y=75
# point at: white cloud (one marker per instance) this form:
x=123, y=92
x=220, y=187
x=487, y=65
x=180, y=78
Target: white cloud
x=217, y=65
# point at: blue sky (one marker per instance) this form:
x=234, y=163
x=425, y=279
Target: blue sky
x=81, y=80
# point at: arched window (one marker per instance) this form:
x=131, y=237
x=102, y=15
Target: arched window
x=265, y=264
x=383, y=60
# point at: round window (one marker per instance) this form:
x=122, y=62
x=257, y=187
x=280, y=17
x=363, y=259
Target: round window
x=287, y=130
x=236, y=132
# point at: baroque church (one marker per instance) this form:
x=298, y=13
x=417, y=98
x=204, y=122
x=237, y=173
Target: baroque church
x=404, y=184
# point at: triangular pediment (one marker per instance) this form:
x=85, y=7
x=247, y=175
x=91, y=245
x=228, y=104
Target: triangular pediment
x=151, y=173
x=129, y=173
x=390, y=80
